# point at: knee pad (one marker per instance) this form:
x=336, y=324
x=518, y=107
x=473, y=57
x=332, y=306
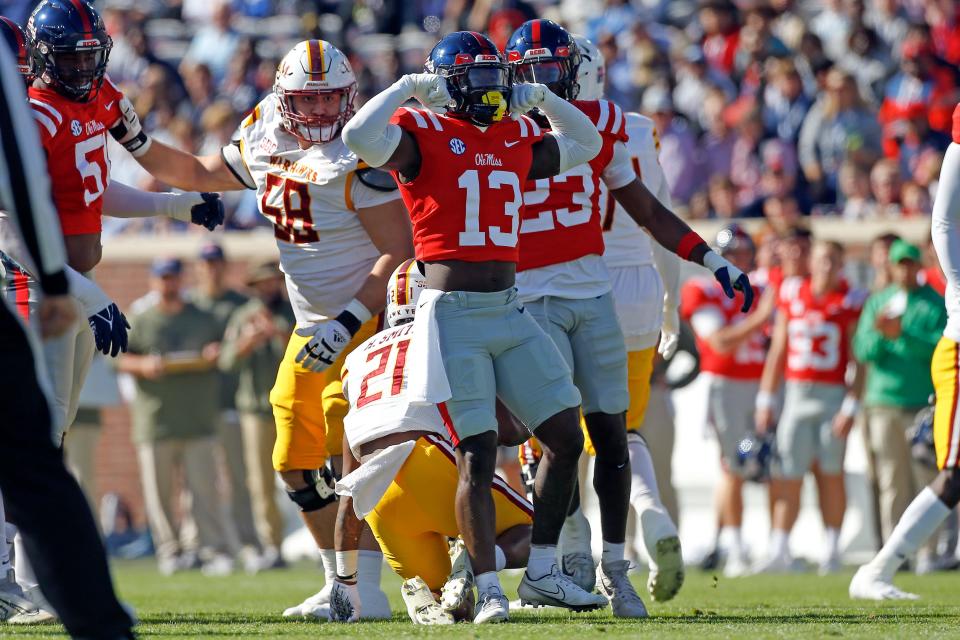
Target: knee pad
x=319, y=491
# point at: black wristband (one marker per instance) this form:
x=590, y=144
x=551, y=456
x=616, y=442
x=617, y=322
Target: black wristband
x=54, y=284
x=350, y=322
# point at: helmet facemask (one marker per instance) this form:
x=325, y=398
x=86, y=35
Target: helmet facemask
x=480, y=91
x=76, y=70
x=314, y=129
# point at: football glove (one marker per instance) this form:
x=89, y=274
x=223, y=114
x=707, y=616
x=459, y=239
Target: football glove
x=429, y=89
x=109, y=328
x=209, y=213
x=526, y=97
x=669, y=333
x=322, y=349
x=730, y=278
x=344, y=602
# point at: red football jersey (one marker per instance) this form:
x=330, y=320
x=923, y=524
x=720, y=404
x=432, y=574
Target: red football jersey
x=956, y=124
x=74, y=135
x=466, y=201
x=561, y=217
x=818, y=330
x=746, y=363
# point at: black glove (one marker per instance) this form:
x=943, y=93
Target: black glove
x=208, y=213
x=110, y=330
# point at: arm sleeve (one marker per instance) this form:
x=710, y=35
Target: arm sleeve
x=577, y=138
x=946, y=214
x=122, y=201
x=25, y=183
x=369, y=132
x=619, y=171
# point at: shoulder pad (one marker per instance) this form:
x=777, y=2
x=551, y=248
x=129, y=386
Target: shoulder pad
x=376, y=179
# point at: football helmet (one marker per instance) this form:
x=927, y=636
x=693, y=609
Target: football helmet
x=17, y=40
x=478, y=78
x=591, y=72
x=755, y=454
x=542, y=51
x=317, y=69
x=69, y=47
x=403, y=290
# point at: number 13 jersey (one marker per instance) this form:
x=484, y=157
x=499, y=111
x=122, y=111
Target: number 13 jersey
x=467, y=200
x=311, y=196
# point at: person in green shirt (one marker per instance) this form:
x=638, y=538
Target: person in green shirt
x=895, y=338
x=211, y=294
x=173, y=357
x=253, y=346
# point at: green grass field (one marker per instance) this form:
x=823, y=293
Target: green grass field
x=800, y=606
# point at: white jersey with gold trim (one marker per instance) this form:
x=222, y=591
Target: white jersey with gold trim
x=311, y=196
x=375, y=383
x=626, y=243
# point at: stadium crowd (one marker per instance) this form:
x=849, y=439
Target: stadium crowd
x=773, y=110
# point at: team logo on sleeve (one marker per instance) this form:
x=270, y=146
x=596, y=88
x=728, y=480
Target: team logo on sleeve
x=457, y=146
x=75, y=127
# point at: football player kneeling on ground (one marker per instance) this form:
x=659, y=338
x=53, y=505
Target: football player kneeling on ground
x=401, y=476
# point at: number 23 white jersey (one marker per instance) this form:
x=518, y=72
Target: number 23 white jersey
x=311, y=196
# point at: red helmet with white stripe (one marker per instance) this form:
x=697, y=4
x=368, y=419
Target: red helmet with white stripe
x=403, y=290
x=317, y=71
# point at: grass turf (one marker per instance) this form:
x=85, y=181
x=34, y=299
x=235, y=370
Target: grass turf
x=796, y=606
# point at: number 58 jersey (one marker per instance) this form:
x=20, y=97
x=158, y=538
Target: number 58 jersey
x=311, y=196
x=375, y=383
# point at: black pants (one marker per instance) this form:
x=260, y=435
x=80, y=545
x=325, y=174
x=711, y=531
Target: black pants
x=44, y=501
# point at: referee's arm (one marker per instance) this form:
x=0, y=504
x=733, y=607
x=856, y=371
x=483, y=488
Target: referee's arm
x=25, y=183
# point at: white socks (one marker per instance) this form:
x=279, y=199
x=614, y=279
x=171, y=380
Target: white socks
x=488, y=582
x=575, y=535
x=612, y=552
x=655, y=522
x=831, y=538
x=917, y=523
x=731, y=541
x=329, y=559
x=779, y=543
x=543, y=558
x=501, y=558
x=369, y=565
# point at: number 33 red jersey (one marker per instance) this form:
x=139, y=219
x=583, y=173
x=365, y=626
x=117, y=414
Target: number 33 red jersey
x=818, y=330
x=467, y=200
x=74, y=135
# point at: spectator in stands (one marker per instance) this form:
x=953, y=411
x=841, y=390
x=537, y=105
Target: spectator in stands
x=757, y=44
x=696, y=80
x=885, y=183
x=838, y=126
x=778, y=179
x=721, y=33
x=833, y=24
x=784, y=103
x=943, y=16
x=716, y=143
x=172, y=354
x=212, y=295
x=215, y=41
x=677, y=145
x=895, y=338
x=868, y=60
x=914, y=200
x=201, y=90
x=888, y=19
x=746, y=164
x=621, y=87
x=907, y=138
x=218, y=122
x=253, y=346
x=856, y=200
x=881, y=276
x=723, y=198
x=921, y=79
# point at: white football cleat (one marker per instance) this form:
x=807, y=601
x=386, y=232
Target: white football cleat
x=492, y=606
x=40, y=612
x=867, y=584
x=736, y=565
x=13, y=601
x=422, y=607
x=667, y=572
x=614, y=584
x=558, y=590
x=459, y=585
x=319, y=599
x=581, y=569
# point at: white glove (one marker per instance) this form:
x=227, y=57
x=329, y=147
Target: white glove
x=323, y=348
x=131, y=134
x=344, y=602
x=525, y=97
x=669, y=333
x=430, y=90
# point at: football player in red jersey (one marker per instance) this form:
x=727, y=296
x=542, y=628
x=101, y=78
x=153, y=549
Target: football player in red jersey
x=461, y=175
x=811, y=349
x=565, y=284
x=732, y=347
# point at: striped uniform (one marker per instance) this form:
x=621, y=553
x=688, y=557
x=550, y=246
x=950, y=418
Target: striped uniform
x=945, y=366
x=415, y=514
x=311, y=196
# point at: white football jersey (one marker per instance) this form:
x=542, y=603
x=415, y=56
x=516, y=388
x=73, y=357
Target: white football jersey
x=311, y=196
x=626, y=243
x=375, y=381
